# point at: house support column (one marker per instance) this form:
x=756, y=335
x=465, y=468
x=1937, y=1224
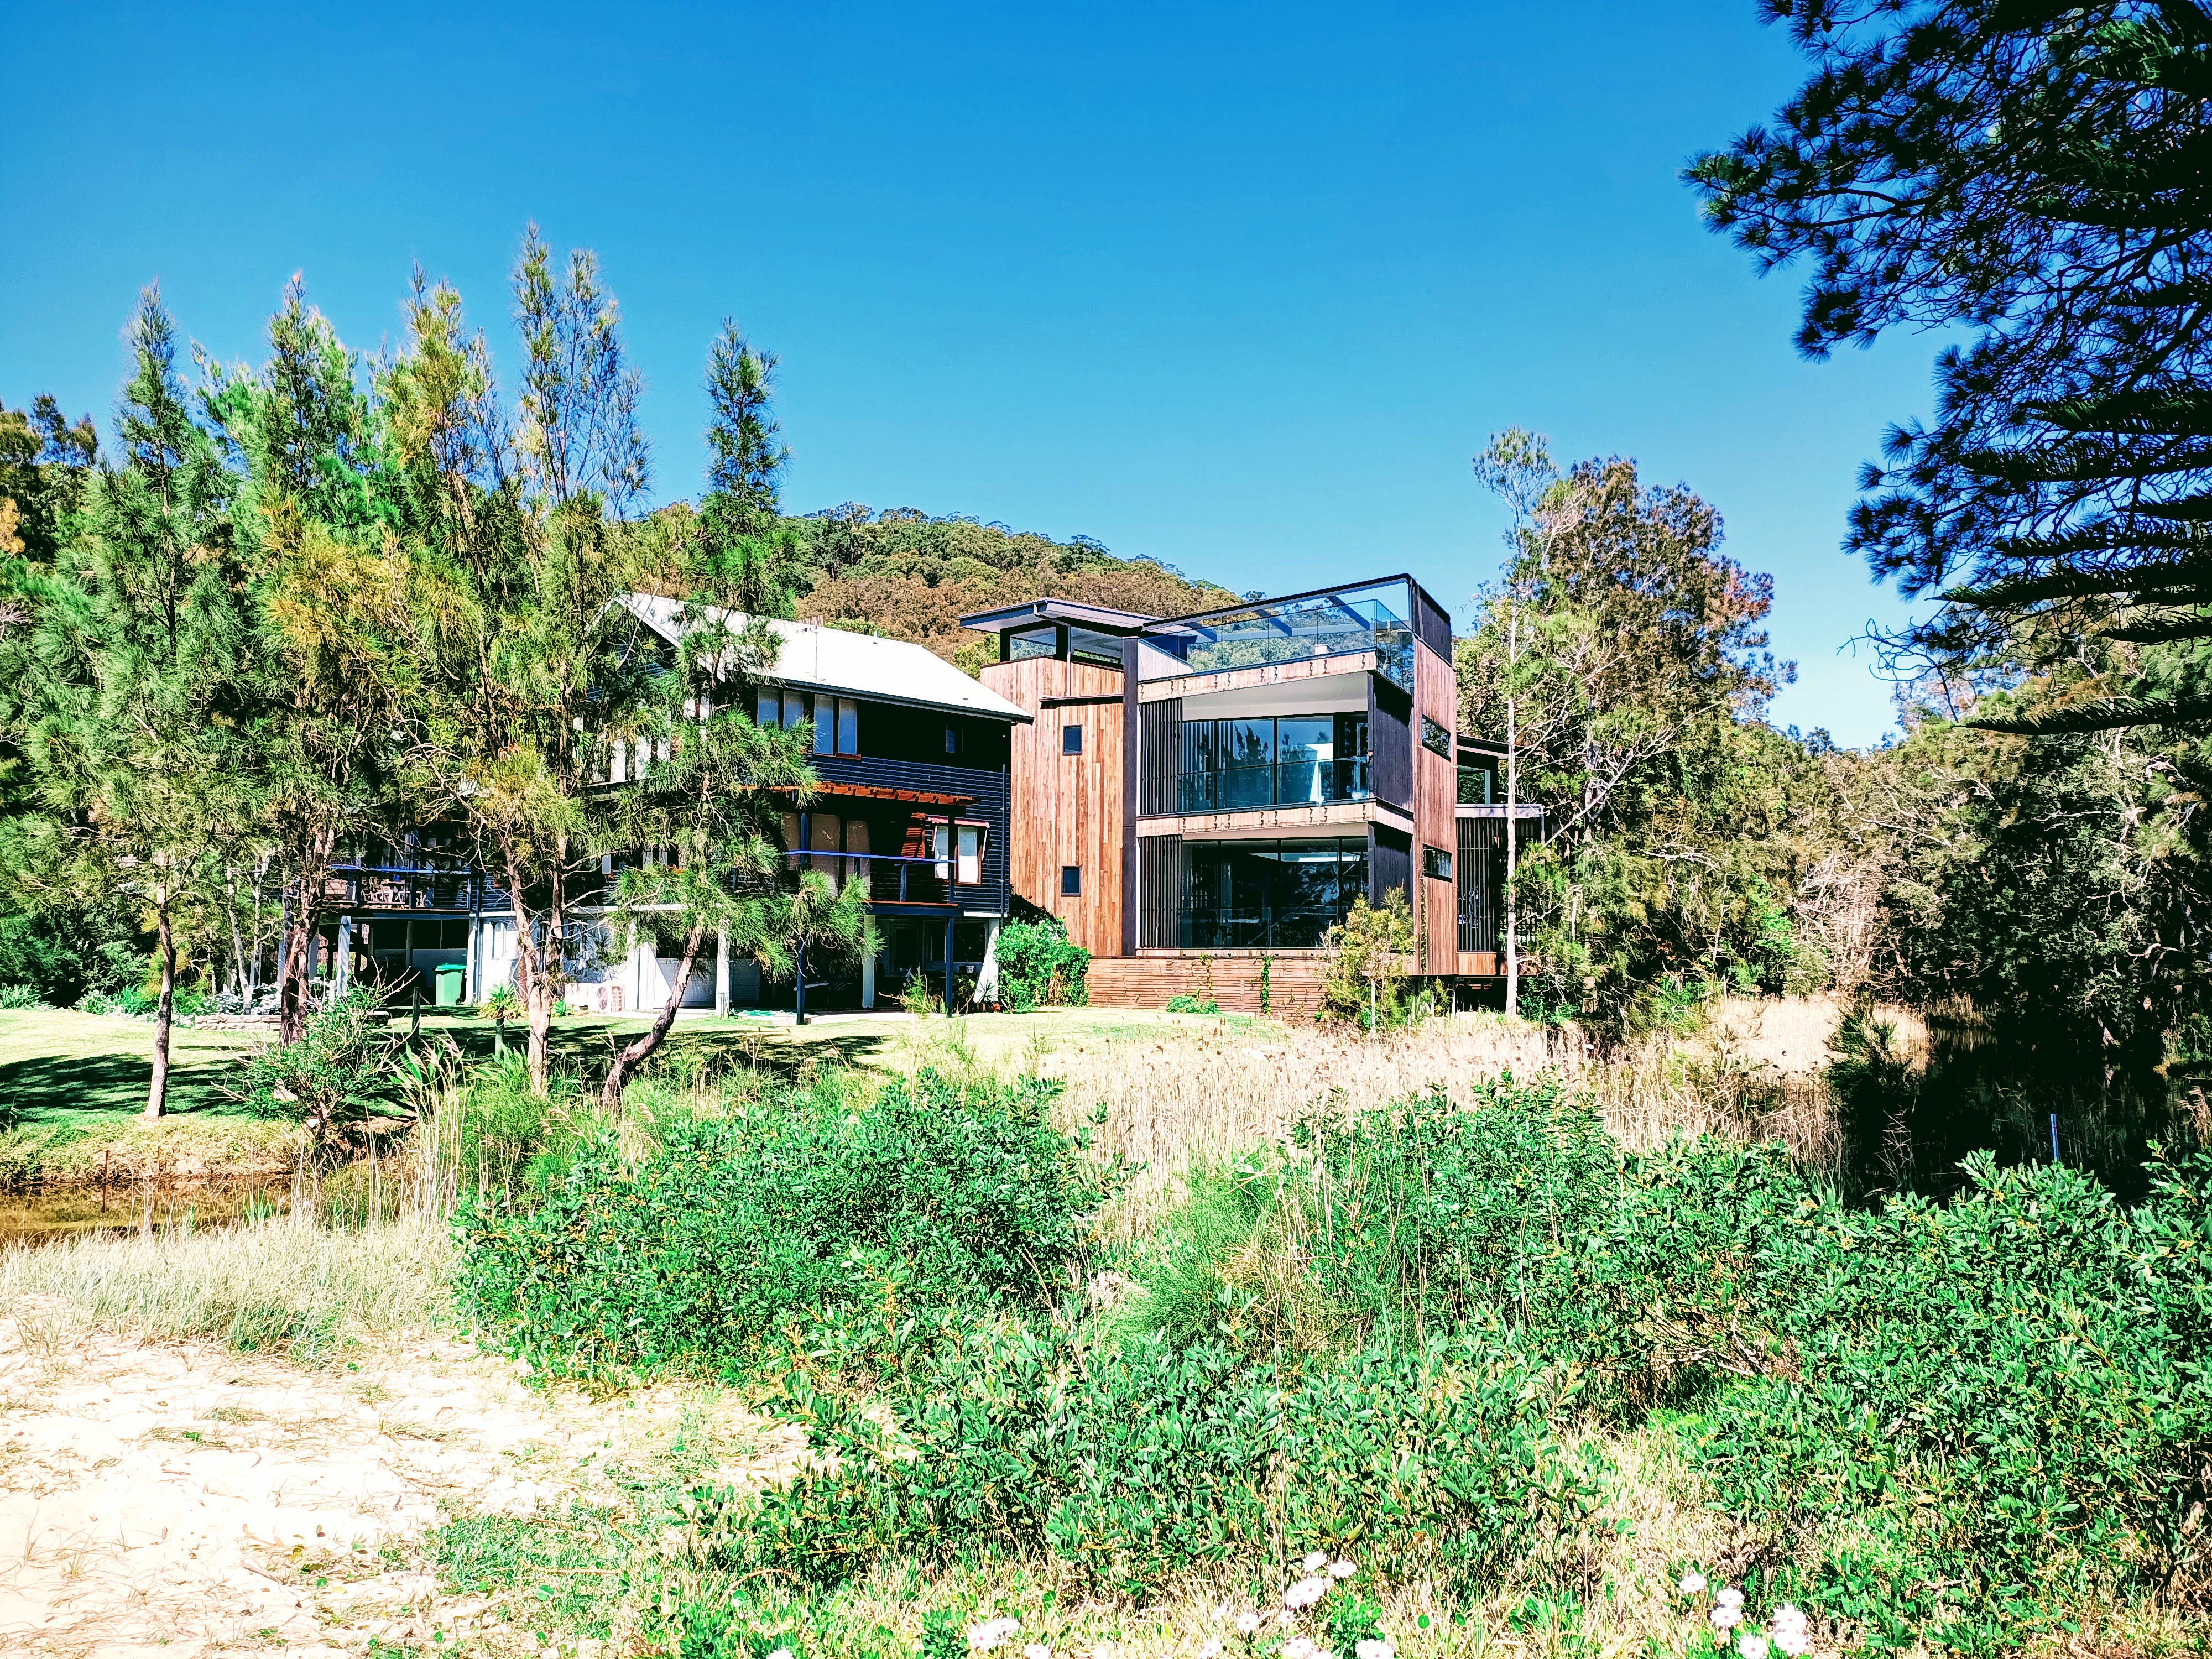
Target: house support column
x=721, y=972
x=342, y=970
x=868, y=981
x=948, y=967
x=987, y=977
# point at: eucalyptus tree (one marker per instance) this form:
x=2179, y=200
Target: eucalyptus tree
x=130, y=685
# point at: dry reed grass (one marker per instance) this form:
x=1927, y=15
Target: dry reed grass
x=279, y=1277
x=1753, y=1073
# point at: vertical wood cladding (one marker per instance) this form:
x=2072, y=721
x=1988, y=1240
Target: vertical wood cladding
x=1159, y=887
x=1435, y=795
x=1431, y=627
x=1390, y=863
x=1067, y=809
x=1159, y=756
x=1389, y=742
x=1131, y=651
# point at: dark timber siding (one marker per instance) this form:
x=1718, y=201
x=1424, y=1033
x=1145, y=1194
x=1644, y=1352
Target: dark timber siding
x=1389, y=865
x=1389, y=742
x=1161, y=756
x=1430, y=626
x=1159, y=888
x=986, y=789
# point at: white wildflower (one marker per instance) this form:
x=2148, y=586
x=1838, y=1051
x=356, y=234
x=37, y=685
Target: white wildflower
x=1378, y=1647
x=780, y=1653
x=991, y=1631
x=1248, y=1623
x=1752, y=1645
x=1693, y=1582
x=1342, y=1570
x=1035, y=1650
x=1726, y=1615
x=1729, y=1596
x=1305, y=1593
x=1300, y=1647
x=1790, y=1633
x=1316, y=1562
x=1211, y=1650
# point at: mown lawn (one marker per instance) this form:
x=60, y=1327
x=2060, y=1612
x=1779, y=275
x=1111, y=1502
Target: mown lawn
x=58, y=1066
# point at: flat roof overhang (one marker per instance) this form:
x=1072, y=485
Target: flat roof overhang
x=1104, y=619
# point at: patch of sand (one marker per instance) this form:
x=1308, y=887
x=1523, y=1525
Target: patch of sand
x=180, y=1498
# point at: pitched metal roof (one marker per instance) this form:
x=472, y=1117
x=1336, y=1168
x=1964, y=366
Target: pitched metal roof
x=838, y=660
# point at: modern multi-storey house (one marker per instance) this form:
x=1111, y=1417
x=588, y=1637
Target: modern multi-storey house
x=1201, y=798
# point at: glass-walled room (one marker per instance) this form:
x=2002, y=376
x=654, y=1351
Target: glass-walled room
x=1287, y=760
x=1267, y=895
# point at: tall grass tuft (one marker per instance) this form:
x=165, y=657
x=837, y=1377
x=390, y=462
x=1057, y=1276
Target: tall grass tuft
x=286, y=1286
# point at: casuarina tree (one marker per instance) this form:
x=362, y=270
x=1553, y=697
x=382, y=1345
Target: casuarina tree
x=131, y=684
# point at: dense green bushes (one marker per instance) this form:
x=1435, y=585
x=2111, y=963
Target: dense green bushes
x=1136, y=1461
x=1038, y=968
x=1395, y=1337
x=738, y=1236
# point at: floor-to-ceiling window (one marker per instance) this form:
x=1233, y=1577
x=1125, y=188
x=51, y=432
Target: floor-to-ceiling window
x=1251, y=895
x=1229, y=765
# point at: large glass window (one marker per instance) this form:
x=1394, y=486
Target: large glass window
x=1252, y=895
x=1294, y=760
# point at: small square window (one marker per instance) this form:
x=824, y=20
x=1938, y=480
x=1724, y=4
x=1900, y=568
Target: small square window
x=1071, y=739
x=1436, y=863
x=1070, y=881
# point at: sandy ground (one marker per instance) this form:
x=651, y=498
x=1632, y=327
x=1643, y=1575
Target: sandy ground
x=183, y=1499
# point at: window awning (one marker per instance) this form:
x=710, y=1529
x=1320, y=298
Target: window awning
x=878, y=792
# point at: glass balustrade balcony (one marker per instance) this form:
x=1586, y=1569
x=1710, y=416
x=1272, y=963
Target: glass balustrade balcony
x=1279, y=783
x=1344, y=624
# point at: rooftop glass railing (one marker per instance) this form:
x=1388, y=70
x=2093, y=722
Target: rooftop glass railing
x=1344, y=623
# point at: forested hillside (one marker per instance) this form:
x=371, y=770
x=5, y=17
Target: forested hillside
x=902, y=573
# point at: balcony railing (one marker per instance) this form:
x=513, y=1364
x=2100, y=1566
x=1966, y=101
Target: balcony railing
x=1329, y=625
x=383, y=887
x=1277, y=783
x=892, y=877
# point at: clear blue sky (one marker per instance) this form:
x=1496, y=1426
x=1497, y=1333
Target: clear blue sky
x=1239, y=287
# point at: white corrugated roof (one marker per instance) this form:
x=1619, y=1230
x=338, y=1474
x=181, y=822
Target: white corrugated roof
x=838, y=660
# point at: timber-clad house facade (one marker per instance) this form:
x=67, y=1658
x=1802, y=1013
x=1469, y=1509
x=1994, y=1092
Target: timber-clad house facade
x=1200, y=799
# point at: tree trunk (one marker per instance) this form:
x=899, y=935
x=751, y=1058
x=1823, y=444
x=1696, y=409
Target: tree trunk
x=638, y=1052
x=157, y=1093
x=1512, y=818
x=237, y=939
x=535, y=984
x=296, y=955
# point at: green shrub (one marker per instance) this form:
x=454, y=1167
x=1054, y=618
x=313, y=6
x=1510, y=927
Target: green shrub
x=1181, y=1003
x=1039, y=968
x=1136, y=1462
x=21, y=996
x=335, y=1076
x=1370, y=956
x=709, y=1252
